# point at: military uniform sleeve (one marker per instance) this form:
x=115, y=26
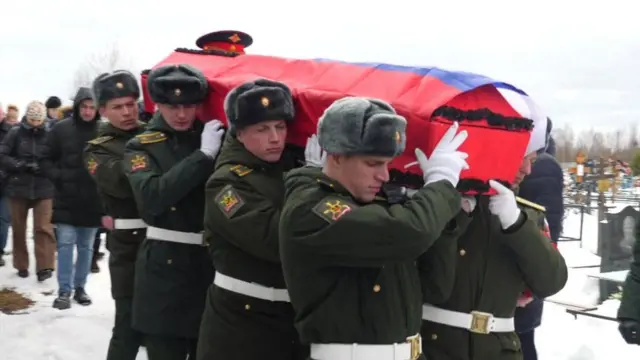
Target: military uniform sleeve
x=344, y=234
x=244, y=217
x=630, y=304
x=543, y=267
x=107, y=172
x=156, y=191
x=437, y=266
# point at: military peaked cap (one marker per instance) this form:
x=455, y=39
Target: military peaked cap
x=256, y=101
x=226, y=40
x=361, y=126
x=177, y=85
x=120, y=83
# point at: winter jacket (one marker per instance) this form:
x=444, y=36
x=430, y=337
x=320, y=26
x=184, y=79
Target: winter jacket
x=76, y=200
x=4, y=130
x=21, y=153
x=543, y=186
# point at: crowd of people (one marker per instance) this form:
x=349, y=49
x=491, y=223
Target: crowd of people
x=213, y=255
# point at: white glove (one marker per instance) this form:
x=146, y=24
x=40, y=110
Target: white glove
x=446, y=161
x=468, y=203
x=211, y=138
x=313, y=154
x=504, y=205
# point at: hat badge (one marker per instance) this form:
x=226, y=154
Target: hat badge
x=119, y=85
x=265, y=101
x=177, y=92
x=398, y=137
x=235, y=38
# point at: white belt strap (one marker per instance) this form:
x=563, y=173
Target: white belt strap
x=157, y=233
x=250, y=289
x=128, y=224
x=409, y=350
x=476, y=321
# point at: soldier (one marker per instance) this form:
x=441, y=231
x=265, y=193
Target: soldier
x=503, y=249
x=248, y=302
x=115, y=95
x=629, y=311
x=168, y=166
x=348, y=260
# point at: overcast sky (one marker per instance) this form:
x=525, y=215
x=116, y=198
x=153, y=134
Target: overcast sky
x=578, y=59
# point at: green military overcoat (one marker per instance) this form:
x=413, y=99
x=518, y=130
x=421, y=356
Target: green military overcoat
x=167, y=173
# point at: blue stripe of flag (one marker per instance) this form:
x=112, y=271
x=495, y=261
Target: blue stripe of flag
x=461, y=80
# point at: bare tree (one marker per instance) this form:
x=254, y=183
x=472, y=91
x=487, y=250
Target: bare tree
x=633, y=136
x=97, y=63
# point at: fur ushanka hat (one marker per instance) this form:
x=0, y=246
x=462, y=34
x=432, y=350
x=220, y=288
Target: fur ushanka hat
x=256, y=101
x=361, y=126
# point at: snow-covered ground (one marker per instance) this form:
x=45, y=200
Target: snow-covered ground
x=43, y=333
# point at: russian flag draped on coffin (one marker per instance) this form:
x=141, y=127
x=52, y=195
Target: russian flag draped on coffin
x=503, y=123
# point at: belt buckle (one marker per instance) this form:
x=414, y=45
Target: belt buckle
x=480, y=322
x=416, y=346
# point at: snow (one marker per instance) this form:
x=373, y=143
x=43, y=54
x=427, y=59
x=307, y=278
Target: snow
x=44, y=333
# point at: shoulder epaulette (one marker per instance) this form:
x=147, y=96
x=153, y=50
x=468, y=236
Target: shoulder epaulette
x=240, y=170
x=530, y=204
x=151, y=137
x=100, y=140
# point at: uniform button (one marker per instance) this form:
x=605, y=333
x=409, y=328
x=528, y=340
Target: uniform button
x=169, y=261
x=462, y=252
x=173, y=208
x=247, y=307
x=376, y=288
x=135, y=233
x=434, y=336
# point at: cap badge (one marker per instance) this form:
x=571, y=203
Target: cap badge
x=235, y=38
x=265, y=101
x=398, y=137
x=177, y=92
x=119, y=85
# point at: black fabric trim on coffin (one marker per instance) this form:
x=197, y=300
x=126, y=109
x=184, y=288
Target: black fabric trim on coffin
x=206, y=52
x=145, y=72
x=416, y=181
x=493, y=119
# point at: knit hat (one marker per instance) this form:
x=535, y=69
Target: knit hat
x=36, y=111
x=53, y=102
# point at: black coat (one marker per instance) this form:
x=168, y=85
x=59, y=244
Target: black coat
x=76, y=200
x=21, y=153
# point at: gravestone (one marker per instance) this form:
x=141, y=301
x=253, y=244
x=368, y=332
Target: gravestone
x=615, y=245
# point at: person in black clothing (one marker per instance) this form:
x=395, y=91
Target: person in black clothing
x=28, y=188
x=5, y=218
x=77, y=210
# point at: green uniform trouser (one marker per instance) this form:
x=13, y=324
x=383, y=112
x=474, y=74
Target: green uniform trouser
x=170, y=348
x=125, y=341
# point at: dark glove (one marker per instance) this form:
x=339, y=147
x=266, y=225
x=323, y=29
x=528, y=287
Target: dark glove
x=630, y=331
x=33, y=167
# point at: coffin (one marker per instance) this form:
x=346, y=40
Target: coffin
x=498, y=116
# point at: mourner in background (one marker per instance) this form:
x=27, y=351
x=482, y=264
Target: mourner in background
x=167, y=167
x=53, y=105
x=248, y=302
x=77, y=210
x=116, y=94
x=12, y=115
x=5, y=217
x=348, y=256
x=629, y=311
x=543, y=186
x=27, y=187
x=503, y=250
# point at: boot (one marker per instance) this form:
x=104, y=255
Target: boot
x=44, y=274
x=23, y=273
x=81, y=297
x=63, y=301
x=94, y=265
